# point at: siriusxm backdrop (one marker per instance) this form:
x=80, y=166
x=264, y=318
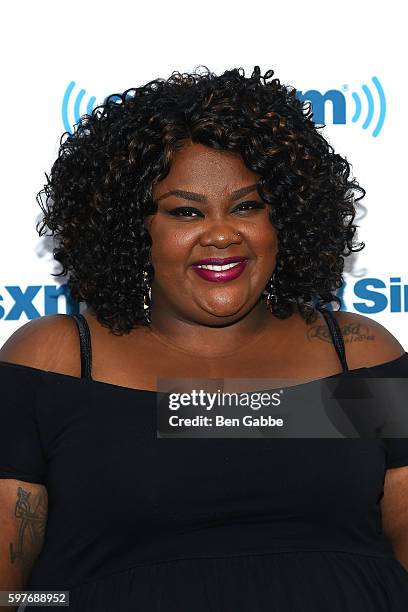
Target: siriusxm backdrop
x=61, y=59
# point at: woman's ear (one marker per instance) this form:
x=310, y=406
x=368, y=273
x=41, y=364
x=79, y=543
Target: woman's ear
x=147, y=222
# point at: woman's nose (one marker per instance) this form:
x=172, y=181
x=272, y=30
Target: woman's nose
x=220, y=235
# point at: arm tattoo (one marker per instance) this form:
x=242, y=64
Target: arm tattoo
x=352, y=332
x=31, y=512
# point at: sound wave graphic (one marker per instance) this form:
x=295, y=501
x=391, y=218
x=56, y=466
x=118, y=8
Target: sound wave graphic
x=81, y=107
x=370, y=105
x=77, y=112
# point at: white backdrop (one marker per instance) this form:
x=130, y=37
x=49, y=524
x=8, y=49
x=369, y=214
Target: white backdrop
x=60, y=58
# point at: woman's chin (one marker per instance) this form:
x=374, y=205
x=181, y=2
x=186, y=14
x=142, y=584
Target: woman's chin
x=225, y=311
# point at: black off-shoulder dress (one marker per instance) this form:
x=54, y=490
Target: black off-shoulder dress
x=140, y=523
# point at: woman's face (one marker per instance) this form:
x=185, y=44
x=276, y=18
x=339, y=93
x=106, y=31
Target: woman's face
x=212, y=222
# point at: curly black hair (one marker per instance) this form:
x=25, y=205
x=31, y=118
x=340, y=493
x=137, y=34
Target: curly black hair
x=100, y=187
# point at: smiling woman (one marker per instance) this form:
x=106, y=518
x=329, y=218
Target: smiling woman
x=203, y=221
x=212, y=140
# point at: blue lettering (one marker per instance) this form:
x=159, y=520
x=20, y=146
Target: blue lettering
x=395, y=295
x=361, y=290
x=51, y=295
x=319, y=100
x=23, y=302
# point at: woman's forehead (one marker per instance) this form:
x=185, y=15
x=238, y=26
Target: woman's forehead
x=204, y=170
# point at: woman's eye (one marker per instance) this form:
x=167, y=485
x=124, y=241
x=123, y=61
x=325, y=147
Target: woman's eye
x=190, y=212
x=184, y=211
x=249, y=206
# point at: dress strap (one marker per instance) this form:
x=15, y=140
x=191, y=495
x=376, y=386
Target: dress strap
x=85, y=344
x=336, y=335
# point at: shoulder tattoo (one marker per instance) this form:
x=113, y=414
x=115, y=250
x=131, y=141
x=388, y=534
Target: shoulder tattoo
x=352, y=332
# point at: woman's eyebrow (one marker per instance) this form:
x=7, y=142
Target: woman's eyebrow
x=198, y=197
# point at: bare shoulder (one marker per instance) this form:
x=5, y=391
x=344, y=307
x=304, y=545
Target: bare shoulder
x=367, y=342
x=50, y=342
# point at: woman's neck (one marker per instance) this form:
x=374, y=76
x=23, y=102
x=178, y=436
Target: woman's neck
x=204, y=340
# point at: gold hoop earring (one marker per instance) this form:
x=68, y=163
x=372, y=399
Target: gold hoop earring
x=270, y=293
x=147, y=302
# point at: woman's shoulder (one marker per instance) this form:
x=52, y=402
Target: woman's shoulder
x=49, y=342
x=367, y=342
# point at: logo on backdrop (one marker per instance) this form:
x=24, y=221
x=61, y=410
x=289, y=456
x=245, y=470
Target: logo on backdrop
x=367, y=295
x=372, y=98
x=373, y=295
x=75, y=104
x=367, y=107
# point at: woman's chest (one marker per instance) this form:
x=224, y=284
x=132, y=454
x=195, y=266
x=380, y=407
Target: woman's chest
x=106, y=463
x=155, y=368
x=141, y=361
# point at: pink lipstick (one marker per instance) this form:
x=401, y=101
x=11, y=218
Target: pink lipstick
x=219, y=270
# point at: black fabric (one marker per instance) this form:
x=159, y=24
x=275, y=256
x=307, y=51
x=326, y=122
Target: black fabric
x=21, y=453
x=142, y=523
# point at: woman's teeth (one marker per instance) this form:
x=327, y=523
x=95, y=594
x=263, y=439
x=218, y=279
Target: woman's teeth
x=219, y=268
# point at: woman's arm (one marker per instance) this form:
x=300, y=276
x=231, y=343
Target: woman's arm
x=377, y=345
x=23, y=516
x=394, y=508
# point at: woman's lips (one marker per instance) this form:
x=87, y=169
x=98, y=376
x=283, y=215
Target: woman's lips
x=221, y=276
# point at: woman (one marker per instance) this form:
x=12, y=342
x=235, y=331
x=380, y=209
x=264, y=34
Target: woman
x=142, y=198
